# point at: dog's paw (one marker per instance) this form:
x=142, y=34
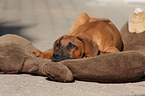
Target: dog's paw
x=38, y=53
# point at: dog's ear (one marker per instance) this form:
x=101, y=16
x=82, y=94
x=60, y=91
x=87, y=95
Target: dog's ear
x=90, y=47
x=82, y=19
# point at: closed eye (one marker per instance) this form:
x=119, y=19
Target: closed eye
x=71, y=46
x=58, y=45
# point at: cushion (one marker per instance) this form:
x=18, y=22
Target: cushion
x=133, y=41
x=16, y=57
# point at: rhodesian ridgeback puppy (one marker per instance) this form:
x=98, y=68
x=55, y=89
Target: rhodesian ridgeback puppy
x=87, y=37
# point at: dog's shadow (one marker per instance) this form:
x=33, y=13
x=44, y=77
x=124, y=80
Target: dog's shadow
x=142, y=79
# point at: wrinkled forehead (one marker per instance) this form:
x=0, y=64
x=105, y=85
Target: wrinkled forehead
x=69, y=39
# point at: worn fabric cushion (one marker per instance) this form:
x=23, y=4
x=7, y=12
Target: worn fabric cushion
x=133, y=41
x=114, y=67
x=15, y=59
x=15, y=39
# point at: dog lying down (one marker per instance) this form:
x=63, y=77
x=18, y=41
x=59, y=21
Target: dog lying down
x=16, y=57
x=87, y=37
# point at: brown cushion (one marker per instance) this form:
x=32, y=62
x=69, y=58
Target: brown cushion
x=133, y=41
x=15, y=57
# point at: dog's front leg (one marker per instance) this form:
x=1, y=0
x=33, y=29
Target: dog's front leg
x=47, y=55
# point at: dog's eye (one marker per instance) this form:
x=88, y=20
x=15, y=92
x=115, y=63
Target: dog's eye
x=58, y=45
x=71, y=46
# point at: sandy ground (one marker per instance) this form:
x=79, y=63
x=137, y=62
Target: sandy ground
x=42, y=22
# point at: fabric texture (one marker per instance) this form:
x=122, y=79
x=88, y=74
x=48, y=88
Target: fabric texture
x=16, y=57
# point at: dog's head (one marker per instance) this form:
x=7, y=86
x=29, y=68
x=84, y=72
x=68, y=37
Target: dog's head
x=73, y=47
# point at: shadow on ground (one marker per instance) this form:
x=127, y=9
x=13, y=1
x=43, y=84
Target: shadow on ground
x=10, y=27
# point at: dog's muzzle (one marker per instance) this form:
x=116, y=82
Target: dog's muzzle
x=59, y=56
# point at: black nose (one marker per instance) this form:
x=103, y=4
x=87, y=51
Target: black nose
x=56, y=55
x=59, y=56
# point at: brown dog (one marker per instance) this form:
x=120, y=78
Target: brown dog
x=87, y=37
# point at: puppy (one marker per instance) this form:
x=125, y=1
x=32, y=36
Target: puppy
x=87, y=37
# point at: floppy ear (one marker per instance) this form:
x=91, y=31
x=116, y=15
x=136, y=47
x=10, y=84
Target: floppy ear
x=82, y=19
x=90, y=47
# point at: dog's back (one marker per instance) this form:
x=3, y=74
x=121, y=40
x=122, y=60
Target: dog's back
x=101, y=31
